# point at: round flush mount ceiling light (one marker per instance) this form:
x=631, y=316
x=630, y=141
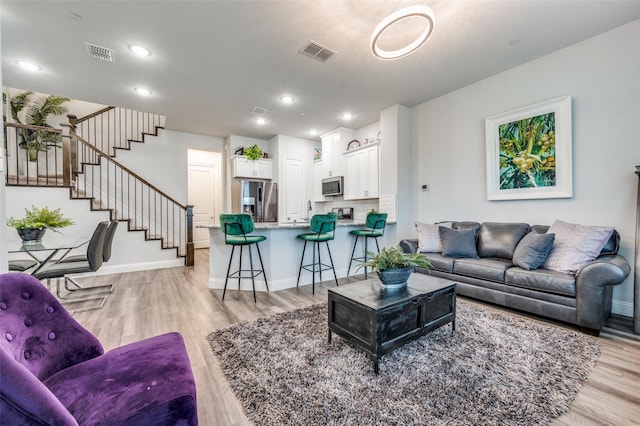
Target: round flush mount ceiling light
x=417, y=11
x=29, y=66
x=142, y=91
x=139, y=50
x=287, y=99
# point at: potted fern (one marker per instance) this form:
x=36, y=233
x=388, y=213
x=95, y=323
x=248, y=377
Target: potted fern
x=36, y=221
x=394, y=266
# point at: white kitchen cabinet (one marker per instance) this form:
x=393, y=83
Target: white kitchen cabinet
x=318, y=175
x=361, y=174
x=242, y=167
x=333, y=145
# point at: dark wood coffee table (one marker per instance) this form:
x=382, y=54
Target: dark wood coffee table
x=379, y=320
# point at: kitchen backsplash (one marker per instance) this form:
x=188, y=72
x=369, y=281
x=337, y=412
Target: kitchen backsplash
x=360, y=207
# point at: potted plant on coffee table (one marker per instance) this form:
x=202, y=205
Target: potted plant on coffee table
x=36, y=221
x=394, y=266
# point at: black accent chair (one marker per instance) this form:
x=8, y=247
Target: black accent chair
x=106, y=256
x=91, y=264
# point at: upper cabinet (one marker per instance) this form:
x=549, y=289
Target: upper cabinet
x=361, y=173
x=333, y=145
x=242, y=167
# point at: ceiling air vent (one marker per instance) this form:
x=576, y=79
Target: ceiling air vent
x=258, y=110
x=100, y=53
x=317, y=51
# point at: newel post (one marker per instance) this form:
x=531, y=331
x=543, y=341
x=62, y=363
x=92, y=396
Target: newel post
x=189, y=259
x=636, y=268
x=68, y=150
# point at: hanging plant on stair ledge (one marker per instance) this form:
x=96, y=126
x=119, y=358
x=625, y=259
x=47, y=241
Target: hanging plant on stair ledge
x=37, y=114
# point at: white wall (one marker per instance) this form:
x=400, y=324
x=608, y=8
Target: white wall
x=3, y=229
x=602, y=75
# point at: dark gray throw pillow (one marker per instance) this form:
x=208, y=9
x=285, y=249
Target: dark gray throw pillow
x=532, y=250
x=458, y=243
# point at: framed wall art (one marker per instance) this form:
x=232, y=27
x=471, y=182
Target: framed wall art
x=529, y=152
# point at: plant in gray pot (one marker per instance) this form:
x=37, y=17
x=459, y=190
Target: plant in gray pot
x=394, y=266
x=36, y=221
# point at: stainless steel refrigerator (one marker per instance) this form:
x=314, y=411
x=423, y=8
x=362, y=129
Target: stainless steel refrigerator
x=257, y=198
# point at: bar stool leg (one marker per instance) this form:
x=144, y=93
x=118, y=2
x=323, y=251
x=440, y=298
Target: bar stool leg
x=353, y=252
x=365, y=255
x=377, y=246
x=240, y=268
x=301, y=261
x=332, y=267
x=313, y=268
x=264, y=274
x=319, y=261
x=253, y=278
x=233, y=248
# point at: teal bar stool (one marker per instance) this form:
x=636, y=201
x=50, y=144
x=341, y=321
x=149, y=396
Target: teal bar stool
x=323, y=228
x=375, y=223
x=236, y=228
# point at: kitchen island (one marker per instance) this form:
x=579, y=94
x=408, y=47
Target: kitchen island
x=281, y=255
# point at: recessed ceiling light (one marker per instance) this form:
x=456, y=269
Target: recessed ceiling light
x=29, y=66
x=287, y=99
x=139, y=50
x=261, y=121
x=313, y=132
x=347, y=116
x=142, y=91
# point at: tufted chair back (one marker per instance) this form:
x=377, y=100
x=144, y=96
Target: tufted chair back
x=37, y=332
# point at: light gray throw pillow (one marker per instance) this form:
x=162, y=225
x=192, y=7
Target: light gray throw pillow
x=532, y=250
x=429, y=237
x=575, y=245
x=458, y=243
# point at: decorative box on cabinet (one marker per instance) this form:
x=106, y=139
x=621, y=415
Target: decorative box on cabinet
x=361, y=173
x=242, y=167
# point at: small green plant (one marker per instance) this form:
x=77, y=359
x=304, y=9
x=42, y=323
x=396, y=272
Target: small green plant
x=253, y=153
x=39, y=218
x=394, y=258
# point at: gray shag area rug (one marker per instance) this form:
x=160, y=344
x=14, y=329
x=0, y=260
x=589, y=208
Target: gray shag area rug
x=495, y=369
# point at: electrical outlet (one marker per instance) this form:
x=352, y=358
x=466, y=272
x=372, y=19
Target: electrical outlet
x=424, y=187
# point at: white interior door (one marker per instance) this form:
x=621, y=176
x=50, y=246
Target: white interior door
x=294, y=200
x=205, y=193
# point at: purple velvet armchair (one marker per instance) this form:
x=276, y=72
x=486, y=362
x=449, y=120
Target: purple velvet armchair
x=54, y=372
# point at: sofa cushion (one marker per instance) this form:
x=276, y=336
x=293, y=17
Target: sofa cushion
x=440, y=262
x=542, y=280
x=500, y=239
x=458, y=243
x=533, y=250
x=486, y=269
x=575, y=245
x=429, y=237
x=144, y=383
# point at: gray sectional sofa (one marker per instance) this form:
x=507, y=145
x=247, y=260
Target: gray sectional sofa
x=581, y=297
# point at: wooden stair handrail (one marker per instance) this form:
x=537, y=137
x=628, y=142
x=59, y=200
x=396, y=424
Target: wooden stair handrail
x=95, y=114
x=31, y=127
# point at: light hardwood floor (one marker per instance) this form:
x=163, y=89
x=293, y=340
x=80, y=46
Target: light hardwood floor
x=148, y=303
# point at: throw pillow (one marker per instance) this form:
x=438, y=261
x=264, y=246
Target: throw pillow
x=532, y=250
x=575, y=245
x=429, y=237
x=457, y=242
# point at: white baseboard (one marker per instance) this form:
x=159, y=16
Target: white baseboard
x=622, y=308
x=134, y=267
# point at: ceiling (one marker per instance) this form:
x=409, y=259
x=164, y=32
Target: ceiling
x=212, y=62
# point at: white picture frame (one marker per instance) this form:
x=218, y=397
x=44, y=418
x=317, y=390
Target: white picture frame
x=528, y=152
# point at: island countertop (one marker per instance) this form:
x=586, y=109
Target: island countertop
x=282, y=250
x=292, y=225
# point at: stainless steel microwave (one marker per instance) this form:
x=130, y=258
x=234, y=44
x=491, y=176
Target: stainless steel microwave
x=332, y=186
